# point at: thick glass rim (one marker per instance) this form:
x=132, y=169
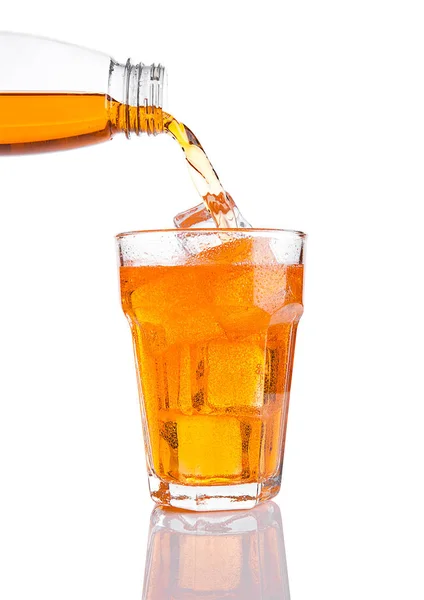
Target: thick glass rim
x=194, y=230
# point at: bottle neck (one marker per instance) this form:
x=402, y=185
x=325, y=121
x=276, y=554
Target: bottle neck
x=136, y=94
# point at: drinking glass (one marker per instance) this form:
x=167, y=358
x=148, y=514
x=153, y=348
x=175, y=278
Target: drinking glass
x=213, y=315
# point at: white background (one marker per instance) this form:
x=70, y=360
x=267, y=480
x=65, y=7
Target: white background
x=313, y=115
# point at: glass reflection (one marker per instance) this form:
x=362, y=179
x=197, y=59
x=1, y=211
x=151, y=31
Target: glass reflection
x=237, y=555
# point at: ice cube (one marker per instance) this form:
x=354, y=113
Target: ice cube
x=198, y=216
x=209, y=446
x=242, y=322
x=235, y=375
x=201, y=215
x=178, y=303
x=246, y=295
x=235, y=248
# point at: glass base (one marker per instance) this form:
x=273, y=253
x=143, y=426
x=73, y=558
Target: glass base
x=212, y=497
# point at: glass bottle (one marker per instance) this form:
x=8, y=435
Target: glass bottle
x=56, y=96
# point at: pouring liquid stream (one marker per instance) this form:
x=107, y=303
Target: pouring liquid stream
x=218, y=207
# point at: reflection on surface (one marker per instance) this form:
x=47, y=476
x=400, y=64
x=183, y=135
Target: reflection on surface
x=237, y=555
